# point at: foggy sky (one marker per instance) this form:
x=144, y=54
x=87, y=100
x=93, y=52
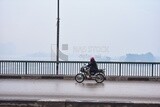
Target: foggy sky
x=125, y=26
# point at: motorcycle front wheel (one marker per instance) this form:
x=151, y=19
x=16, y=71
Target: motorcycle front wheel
x=79, y=78
x=99, y=78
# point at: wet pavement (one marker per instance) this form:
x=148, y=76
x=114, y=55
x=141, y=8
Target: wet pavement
x=128, y=91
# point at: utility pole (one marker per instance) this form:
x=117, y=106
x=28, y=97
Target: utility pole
x=58, y=20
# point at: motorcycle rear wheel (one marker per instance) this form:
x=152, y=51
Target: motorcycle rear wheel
x=99, y=78
x=79, y=77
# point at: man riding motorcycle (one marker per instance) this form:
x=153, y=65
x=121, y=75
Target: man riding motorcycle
x=93, y=66
x=90, y=71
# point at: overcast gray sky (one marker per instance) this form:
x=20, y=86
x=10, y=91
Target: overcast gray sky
x=124, y=26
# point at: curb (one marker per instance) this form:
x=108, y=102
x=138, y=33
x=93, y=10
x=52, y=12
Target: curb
x=67, y=77
x=73, y=103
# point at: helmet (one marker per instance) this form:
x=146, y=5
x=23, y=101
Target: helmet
x=92, y=59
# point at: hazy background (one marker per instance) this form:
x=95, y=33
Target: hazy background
x=28, y=28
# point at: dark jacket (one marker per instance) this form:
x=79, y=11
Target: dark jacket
x=93, y=66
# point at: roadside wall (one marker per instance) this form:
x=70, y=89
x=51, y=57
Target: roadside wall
x=73, y=104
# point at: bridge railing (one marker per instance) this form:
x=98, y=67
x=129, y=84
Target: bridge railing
x=145, y=69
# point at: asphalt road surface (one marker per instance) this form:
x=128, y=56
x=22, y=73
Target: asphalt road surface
x=36, y=89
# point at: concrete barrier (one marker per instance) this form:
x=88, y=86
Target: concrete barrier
x=63, y=103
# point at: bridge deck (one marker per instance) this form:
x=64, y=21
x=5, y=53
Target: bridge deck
x=121, y=91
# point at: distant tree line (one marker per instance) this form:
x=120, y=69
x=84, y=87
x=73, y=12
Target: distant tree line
x=148, y=57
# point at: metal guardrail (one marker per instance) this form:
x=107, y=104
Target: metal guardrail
x=140, y=69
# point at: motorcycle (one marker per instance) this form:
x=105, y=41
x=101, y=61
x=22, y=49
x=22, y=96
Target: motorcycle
x=98, y=76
